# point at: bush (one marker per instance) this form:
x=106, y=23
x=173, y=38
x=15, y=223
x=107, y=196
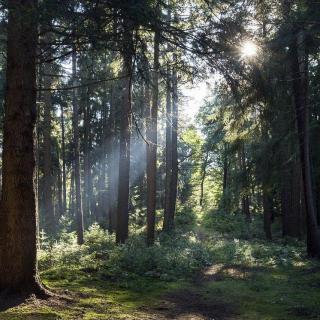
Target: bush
x=185, y=218
x=172, y=256
x=234, y=225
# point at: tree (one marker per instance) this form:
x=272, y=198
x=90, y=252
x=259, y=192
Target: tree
x=125, y=133
x=77, y=177
x=152, y=130
x=18, y=216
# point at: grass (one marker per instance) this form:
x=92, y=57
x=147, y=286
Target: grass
x=248, y=279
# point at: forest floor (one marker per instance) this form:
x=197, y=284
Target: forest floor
x=229, y=289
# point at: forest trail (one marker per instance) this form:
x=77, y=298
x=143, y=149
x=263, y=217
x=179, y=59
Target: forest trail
x=222, y=291
x=192, y=301
x=195, y=301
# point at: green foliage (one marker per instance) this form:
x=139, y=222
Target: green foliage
x=234, y=225
x=172, y=256
x=185, y=217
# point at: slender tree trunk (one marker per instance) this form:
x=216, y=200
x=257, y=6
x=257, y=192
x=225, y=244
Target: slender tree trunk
x=18, y=217
x=152, y=146
x=59, y=187
x=245, y=198
x=300, y=91
x=47, y=151
x=168, y=202
x=87, y=192
x=174, y=177
x=203, y=177
x=267, y=212
x=77, y=178
x=125, y=133
x=63, y=156
x=112, y=169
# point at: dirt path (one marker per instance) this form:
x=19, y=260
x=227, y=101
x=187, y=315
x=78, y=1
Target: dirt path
x=194, y=302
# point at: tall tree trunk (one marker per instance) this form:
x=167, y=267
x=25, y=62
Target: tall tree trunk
x=112, y=168
x=167, y=207
x=63, y=156
x=300, y=91
x=174, y=177
x=125, y=133
x=77, y=178
x=245, y=197
x=50, y=221
x=203, y=177
x=152, y=146
x=87, y=192
x=18, y=217
x=267, y=212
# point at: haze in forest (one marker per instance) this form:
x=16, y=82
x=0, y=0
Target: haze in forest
x=159, y=159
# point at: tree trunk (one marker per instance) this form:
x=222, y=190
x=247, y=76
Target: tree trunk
x=203, y=177
x=18, y=217
x=174, y=177
x=63, y=156
x=300, y=91
x=47, y=192
x=245, y=197
x=125, y=133
x=112, y=168
x=87, y=192
x=152, y=146
x=77, y=178
x=267, y=212
x=167, y=207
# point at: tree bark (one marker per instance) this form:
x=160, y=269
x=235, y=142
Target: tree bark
x=47, y=192
x=77, y=178
x=300, y=91
x=167, y=208
x=18, y=217
x=63, y=156
x=174, y=177
x=152, y=146
x=203, y=177
x=125, y=134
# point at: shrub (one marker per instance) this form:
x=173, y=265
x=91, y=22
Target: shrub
x=172, y=256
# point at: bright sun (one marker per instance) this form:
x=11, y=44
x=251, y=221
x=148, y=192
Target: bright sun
x=248, y=49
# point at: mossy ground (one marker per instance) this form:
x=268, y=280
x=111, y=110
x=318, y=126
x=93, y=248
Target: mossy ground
x=250, y=280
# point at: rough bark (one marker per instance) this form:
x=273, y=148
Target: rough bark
x=77, y=178
x=18, y=217
x=300, y=91
x=152, y=146
x=47, y=191
x=167, y=208
x=175, y=115
x=203, y=177
x=63, y=157
x=245, y=197
x=125, y=133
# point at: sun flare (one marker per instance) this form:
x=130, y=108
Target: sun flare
x=248, y=49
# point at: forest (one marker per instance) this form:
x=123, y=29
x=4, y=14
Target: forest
x=159, y=159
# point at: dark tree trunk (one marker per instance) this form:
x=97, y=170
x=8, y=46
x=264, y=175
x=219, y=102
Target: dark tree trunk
x=112, y=168
x=203, y=177
x=245, y=197
x=174, y=177
x=125, y=133
x=267, y=212
x=152, y=130
x=77, y=178
x=18, y=217
x=167, y=207
x=63, y=156
x=87, y=192
x=300, y=91
x=47, y=192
